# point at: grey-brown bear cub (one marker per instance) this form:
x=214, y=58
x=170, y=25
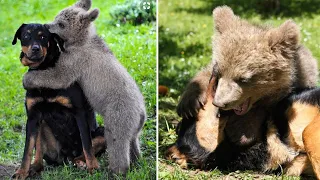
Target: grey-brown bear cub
x=110, y=89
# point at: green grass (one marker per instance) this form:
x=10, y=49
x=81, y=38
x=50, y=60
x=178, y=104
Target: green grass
x=185, y=31
x=134, y=46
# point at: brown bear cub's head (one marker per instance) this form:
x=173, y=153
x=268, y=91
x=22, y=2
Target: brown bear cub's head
x=252, y=63
x=73, y=24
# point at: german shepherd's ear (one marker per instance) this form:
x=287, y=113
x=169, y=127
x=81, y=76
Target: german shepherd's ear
x=58, y=40
x=18, y=34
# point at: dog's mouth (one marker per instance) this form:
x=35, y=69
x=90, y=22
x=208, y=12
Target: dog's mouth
x=242, y=108
x=32, y=63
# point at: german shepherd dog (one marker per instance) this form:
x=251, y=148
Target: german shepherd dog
x=286, y=136
x=61, y=125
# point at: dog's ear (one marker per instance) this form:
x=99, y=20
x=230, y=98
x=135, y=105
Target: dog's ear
x=59, y=41
x=18, y=34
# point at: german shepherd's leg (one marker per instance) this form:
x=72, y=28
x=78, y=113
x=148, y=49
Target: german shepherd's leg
x=98, y=144
x=31, y=136
x=311, y=141
x=173, y=154
x=300, y=165
x=37, y=165
x=84, y=128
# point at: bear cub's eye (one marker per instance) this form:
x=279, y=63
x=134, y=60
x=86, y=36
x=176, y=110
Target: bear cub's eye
x=61, y=25
x=243, y=80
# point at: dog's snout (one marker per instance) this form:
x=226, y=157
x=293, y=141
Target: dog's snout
x=35, y=48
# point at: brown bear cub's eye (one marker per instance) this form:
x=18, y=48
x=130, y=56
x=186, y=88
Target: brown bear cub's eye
x=61, y=25
x=243, y=80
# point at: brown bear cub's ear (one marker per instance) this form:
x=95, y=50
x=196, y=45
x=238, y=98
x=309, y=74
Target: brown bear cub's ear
x=223, y=18
x=285, y=37
x=84, y=4
x=90, y=16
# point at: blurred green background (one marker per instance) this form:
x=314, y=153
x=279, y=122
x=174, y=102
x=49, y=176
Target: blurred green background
x=134, y=44
x=185, y=33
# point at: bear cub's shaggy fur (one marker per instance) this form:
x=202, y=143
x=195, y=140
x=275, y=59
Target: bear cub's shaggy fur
x=109, y=88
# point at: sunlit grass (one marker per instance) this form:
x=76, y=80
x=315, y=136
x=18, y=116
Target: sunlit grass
x=134, y=46
x=185, y=31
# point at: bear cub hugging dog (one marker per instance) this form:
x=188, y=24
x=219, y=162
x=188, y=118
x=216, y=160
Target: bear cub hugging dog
x=107, y=85
x=254, y=68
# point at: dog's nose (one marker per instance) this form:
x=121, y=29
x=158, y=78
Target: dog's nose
x=35, y=48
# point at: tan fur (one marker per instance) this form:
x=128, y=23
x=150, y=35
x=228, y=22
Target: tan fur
x=262, y=57
x=311, y=140
x=209, y=130
x=61, y=100
x=300, y=115
x=300, y=165
x=32, y=101
x=23, y=171
x=279, y=152
x=175, y=155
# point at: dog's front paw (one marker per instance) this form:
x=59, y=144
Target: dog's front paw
x=173, y=154
x=20, y=174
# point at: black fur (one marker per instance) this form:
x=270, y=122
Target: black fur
x=66, y=123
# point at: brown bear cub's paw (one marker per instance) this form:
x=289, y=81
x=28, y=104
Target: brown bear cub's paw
x=191, y=102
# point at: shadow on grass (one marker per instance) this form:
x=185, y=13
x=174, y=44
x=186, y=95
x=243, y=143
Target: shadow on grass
x=168, y=49
x=266, y=8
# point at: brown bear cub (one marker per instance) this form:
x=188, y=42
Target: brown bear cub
x=254, y=68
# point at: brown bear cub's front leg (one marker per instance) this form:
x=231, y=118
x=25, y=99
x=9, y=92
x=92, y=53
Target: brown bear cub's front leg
x=194, y=97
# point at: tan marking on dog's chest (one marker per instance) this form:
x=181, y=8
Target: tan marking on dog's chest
x=61, y=100
x=299, y=116
x=32, y=101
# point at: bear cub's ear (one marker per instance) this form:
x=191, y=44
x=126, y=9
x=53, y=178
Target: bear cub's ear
x=84, y=4
x=286, y=36
x=90, y=16
x=223, y=18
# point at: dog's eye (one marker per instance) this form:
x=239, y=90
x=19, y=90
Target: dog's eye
x=42, y=37
x=61, y=25
x=26, y=36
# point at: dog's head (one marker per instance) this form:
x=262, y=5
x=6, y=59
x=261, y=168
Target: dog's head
x=36, y=41
x=73, y=24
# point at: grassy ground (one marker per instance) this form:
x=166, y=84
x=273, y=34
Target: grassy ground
x=134, y=46
x=185, y=31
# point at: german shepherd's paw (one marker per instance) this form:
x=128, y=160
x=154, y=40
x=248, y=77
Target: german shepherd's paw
x=173, y=154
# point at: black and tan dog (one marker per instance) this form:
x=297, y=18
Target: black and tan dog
x=286, y=136
x=61, y=125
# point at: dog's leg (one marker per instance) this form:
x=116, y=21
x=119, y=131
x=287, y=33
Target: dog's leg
x=176, y=156
x=37, y=165
x=31, y=135
x=98, y=145
x=84, y=128
x=311, y=142
x=300, y=165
